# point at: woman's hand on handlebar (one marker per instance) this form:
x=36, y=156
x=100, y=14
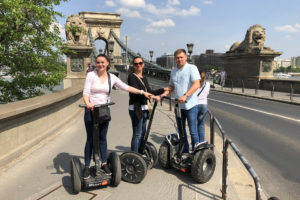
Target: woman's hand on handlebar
x=90, y=106
x=156, y=98
x=147, y=95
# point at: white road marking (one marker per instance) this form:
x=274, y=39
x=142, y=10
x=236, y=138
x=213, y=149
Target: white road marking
x=260, y=111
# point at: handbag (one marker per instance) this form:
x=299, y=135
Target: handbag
x=150, y=109
x=104, y=111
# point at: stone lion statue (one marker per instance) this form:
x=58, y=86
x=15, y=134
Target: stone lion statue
x=76, y=37
x=253, y=43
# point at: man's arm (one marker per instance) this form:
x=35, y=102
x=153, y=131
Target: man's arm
x=193, y=88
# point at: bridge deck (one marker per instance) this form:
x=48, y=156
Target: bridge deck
x=44, y=171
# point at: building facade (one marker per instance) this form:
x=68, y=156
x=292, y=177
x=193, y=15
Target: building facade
x=295, y=61
x=208, y=58
x=167, y=61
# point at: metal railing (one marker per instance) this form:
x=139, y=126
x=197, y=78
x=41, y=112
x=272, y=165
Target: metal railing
x=257, y=87
x=226, y=142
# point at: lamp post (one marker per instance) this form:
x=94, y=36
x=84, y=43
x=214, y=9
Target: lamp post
x=190, y=50
x=151, y=55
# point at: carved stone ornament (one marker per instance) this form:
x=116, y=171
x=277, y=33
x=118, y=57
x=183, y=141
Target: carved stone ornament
x=100, y=33
x=253, y=43
x=76, y=30
x=76, y=64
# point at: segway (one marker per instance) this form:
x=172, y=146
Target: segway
x=97, y=176
x=135, y=165
x=201, y=162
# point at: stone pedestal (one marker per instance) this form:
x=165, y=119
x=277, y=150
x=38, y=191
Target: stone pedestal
x=77, y=64
x=248, y=67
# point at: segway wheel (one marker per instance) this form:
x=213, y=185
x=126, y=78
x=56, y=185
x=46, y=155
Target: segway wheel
x=115, y=167
x=164, y=155
x=134, y=167
x=152, y=153
x=203, y=165
x=76, y=174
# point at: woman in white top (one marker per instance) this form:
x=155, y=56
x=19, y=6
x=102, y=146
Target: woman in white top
x=202, y=93
x=96, y=91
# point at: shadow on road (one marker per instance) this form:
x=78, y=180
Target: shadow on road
x=61, y=163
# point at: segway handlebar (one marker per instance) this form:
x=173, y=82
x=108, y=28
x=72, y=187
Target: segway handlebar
x=98, y=105
x=172, y=99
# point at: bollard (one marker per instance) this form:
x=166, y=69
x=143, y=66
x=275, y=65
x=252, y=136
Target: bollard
x=256, y=87
x=292, y=92
x=272, y=91
x=243, y=86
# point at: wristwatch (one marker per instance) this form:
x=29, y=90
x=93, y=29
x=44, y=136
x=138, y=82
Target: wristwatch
x=141, y=92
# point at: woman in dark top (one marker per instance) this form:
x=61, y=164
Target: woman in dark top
x=138, y=109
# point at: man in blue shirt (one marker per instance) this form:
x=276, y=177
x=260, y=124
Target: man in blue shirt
x=184, y=81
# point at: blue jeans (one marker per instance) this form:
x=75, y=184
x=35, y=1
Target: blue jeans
x=202, y=108
x=88, y=150
x=138, y=129
x=191, y=116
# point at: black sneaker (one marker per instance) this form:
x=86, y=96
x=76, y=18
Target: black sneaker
x=86, y=172
x=106, y=169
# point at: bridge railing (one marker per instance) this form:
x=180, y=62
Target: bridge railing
x=226, y=142
x=284, y=88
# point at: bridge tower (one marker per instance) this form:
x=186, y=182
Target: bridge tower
x=81, y=32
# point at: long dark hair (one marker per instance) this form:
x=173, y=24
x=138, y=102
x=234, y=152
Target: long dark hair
x=106, y=58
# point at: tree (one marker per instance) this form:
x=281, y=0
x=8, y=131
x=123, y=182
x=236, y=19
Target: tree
x=29, y=48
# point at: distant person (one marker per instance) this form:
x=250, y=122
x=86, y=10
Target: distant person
x=223, y=77
x=202, y=94
x=184, y=81
x=212, y=73
x=90, y=68
x=96, y=91
x=138, y=108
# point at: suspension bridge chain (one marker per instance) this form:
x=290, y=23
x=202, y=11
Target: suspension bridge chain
x=94, y=52
x=132, y=54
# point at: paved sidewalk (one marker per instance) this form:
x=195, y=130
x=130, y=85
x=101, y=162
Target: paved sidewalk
x=160, y=184
x=262, y=94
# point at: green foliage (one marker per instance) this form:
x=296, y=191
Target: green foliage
x=29, y=48
x=287, y=69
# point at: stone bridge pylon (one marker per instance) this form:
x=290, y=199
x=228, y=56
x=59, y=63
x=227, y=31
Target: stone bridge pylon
x=81, y=32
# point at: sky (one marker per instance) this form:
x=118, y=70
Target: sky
x=166, y=25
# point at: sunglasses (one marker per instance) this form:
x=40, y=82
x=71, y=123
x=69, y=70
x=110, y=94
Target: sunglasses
x=139, y=63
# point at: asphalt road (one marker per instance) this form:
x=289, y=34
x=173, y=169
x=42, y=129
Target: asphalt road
x=267, y=134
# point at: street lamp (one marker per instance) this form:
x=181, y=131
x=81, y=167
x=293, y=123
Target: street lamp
x=190, y=50
x=151, y=55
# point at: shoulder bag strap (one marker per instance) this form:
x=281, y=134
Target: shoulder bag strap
x=202, y=89
x=109, y=83
x=141, y=81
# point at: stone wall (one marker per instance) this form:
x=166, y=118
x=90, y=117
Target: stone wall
x=25, y=123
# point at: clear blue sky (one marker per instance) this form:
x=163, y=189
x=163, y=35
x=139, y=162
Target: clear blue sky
x=165, y=25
